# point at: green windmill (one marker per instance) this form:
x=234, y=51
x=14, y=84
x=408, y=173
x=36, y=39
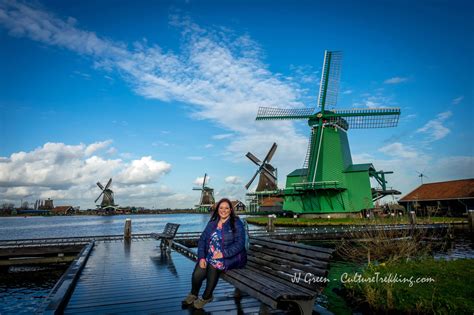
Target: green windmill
x=329, y=182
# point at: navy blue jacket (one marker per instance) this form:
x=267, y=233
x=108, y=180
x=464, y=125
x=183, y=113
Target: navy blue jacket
x=233, y=243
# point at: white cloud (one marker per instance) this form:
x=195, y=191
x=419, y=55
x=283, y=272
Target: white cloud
x=97, y=146
x=395, y=80
x=68, y=172
x=347, y=92
x=222, y=136
x=112, y=151
x=233, y=180
x=457, y=100
x=223, y=76
x=195, y=158
x=376, y=100
x=208, y=146
x=435, y=128
x=399, y=150
x=160, y=143
x=144, y=171
x=233, y=192
x=198, y=181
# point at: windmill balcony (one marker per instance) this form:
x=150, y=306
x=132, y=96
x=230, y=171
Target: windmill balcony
x=323, y=185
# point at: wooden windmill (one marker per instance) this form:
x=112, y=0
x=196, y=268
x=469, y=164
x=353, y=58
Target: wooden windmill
x=108, y=199
x=329, y=182
x=268, y=174
x=207, y=196
x=266, y=196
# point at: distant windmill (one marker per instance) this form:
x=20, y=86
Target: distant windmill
x=207, y=196
x=108, y=199
x=421, y=175
x=268, y=174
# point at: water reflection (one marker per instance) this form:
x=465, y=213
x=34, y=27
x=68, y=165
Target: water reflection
x=164, y=260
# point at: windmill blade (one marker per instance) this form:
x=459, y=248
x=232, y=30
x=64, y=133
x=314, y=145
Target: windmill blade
x=330, y=77
x=204, y=180
x=197, y=188
x=270, y=153
x=108, y=183
x=99, y=196
x=251, y=181
x=100, y=185
x=269, y=113
x=367, y=118
x=253, y=158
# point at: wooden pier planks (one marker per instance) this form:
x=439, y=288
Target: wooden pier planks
x=135, y=277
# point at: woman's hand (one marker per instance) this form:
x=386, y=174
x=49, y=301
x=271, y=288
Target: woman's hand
x=217, y=255
x=203, y=263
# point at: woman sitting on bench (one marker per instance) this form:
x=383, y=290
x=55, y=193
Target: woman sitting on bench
x=221, y=247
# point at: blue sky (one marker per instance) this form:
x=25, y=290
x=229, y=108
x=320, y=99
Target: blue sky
x=155, y=94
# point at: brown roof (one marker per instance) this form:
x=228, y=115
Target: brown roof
x=271, y=201
x=236, y=202
x=61, y=209
x=455, y=189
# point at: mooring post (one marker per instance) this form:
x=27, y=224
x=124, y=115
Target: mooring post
x=470, y=218
x=271, y=223
x=412, y=217
x=127, y=231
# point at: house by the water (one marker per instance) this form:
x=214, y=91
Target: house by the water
x=452, y=198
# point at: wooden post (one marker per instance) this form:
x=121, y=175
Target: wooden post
x=470, y=218
x=127, y=231
x=412, y=217
x=271, y=223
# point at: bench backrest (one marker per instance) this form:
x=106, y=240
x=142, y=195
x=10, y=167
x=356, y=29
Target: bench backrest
x=171, y=229
x=286, y=261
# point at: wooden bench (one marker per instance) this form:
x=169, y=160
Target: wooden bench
x=279, y=273
x=166, y=236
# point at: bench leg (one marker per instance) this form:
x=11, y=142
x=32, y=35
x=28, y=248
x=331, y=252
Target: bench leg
x=305, y=307
x=264, y=309
x=168, y=248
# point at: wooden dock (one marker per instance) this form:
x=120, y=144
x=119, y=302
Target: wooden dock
x=136, y=277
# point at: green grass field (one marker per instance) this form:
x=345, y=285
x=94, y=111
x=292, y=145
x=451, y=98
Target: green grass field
x=290, y=222
x=448, y=292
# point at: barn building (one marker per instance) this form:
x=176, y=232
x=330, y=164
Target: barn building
x=451, y=198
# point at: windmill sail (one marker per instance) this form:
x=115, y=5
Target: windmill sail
x=267, y=113
x=367, y=118
x=330, y=77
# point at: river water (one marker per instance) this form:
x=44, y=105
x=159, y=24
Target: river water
x=22, y=289
x=69, y=226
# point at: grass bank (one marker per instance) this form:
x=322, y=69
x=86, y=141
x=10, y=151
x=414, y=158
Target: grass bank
x=301, y=222
x=446, y=288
